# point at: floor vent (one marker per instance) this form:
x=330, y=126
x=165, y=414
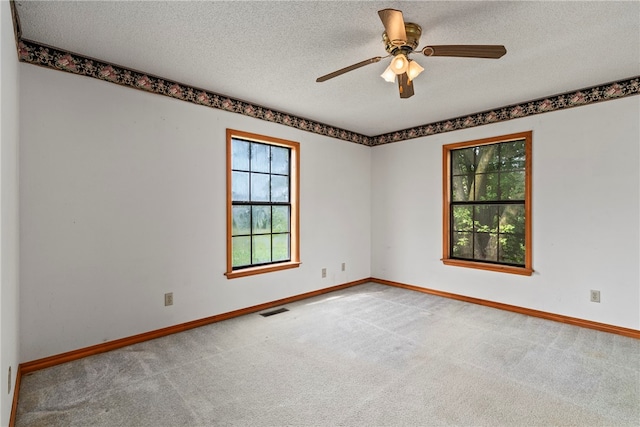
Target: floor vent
x=272, y=312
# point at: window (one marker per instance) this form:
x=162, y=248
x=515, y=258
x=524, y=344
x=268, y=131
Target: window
x=262, y=204
x=487, y=204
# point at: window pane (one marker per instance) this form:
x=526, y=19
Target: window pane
x=259, y=187
x=512, y=248
x=280, y=219
x=462, y=245
x=261, y=249
x=239, y=186
x=485, y=246
x=240, y=155
x=487, y=186
x=486, y=218
x=463, y=161
x=463, y=218
x=279, y=188
x=512, y=185
x=241, y=220
x=512, y=220
x=259, y=158
x=261, y=219
x=488, y=158
x=512, y=156
x=241, y=251
x=280, y=160
x=280, y=247
x=462, y=187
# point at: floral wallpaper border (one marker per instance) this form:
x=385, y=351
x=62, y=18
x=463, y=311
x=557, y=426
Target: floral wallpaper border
x=614, y=90
x=57, y=59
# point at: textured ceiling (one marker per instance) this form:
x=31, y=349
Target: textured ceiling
x=270, y=53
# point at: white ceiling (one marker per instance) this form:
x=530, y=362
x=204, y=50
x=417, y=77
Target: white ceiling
x=270, y=53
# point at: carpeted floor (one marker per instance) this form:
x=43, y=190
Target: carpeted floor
x=365, y=356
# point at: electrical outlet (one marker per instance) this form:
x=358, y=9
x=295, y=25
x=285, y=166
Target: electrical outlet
x=168, y=299
x=9, y=388
x=344, y=266
x=324, y=273
x=595, y=296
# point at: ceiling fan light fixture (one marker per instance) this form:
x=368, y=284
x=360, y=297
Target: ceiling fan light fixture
x=400, y=63
x=389, y=75
x=401, y=39
x=414, y=69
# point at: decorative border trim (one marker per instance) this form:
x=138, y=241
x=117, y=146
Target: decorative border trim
x=591, y=95
x=17, y=30
x=57, y=59
x=603, y=327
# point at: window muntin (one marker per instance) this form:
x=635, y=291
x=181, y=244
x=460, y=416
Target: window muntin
x=262, y=204
x=487, y=206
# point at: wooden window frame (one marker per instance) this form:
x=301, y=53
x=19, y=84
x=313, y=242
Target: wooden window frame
x=294, y=194
x=527, y=270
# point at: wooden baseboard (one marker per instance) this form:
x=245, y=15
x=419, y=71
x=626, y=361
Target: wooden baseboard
x=47, y=362
x=633, y=333
x=16, y=391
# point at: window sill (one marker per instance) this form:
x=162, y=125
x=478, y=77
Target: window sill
x=523, y=271
x=263, y=269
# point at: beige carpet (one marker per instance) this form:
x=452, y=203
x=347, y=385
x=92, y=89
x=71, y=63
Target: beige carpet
x=365, y=356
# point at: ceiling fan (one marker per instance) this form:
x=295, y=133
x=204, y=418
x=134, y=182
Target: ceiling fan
x=400, y=40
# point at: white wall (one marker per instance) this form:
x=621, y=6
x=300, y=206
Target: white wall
x=8, y=210
x=585, y=215
x=123, y=198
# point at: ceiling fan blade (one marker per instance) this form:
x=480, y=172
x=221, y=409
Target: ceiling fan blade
x=394, y=26
x=349, y=68
x=405, y=86
x=467, y=51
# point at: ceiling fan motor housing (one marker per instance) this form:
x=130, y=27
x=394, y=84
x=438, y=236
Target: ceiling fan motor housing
x=413, y=31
